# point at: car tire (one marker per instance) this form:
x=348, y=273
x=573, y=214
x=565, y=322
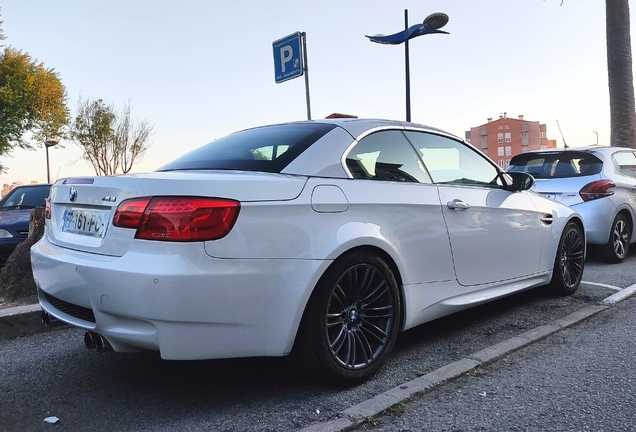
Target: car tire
x=570, y=261
x=351, y=321
x=617, y=246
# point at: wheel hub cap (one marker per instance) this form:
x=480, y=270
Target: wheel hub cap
x=353, y=315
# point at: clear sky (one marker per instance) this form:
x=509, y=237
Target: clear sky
x=199, y=70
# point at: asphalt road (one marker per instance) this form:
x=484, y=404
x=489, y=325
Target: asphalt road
x=52, y=374
x=581, y=379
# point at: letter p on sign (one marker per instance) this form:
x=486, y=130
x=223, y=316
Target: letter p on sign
x=286, y=54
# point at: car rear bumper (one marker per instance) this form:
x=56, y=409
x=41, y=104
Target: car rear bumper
x=178, y=301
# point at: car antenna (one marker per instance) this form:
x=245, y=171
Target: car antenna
x=562, y=137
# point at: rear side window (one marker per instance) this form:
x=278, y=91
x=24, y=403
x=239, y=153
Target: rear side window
x=557, y=164
x=386, y=156
x=267, y=149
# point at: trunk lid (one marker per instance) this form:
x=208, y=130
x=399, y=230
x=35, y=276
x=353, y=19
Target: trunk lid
x=564, y=190
x=82, y=208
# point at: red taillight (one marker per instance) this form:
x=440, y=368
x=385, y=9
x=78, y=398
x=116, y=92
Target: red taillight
x=178, y=218
x=596, y=189
x=129, y=213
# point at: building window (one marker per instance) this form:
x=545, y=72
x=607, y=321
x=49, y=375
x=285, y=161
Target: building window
x=543, y=147
x=508, y=137
x=503, y=163
x=500, y=151
x=524, y=134
x=500, y=137
x=542, y=134
x=508, y=150
x=484, y=142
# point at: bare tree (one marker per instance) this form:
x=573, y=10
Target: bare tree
x=131, y=139
x=110, y=140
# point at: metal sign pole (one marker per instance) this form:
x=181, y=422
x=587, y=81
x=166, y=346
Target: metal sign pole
x=407, y=68
x=306, y=71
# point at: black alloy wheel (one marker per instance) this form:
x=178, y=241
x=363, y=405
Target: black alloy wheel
x=352, y=319
x=570, y=260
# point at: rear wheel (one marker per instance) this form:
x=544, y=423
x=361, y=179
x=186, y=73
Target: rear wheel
x=617, y=246
x=352, y=320
x=569, y=261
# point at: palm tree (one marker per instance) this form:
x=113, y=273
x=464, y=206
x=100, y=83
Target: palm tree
x=619, y=71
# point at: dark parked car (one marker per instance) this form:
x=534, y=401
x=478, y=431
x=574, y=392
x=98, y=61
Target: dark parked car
x=15, y=211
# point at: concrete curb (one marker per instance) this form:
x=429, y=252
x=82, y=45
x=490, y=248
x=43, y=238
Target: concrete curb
x=23, y=321
x=356, y=415
x=20, y=321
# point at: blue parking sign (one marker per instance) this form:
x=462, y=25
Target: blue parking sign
x=288, y=61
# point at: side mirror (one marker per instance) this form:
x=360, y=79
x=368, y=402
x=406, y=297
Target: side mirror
x=517, y=181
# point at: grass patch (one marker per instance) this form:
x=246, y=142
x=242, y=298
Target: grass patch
x=396, y=410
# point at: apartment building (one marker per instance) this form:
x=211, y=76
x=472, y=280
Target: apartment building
x=505, y=137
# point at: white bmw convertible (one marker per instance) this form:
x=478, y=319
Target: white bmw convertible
x=323, y=238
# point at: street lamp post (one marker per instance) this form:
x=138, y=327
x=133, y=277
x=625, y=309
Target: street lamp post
x=431, y=24
x=49, y=143
x=596, y=137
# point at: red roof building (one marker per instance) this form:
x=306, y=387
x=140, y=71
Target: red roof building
x=505, y=137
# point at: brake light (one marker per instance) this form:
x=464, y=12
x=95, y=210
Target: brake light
x=130, y=212
x=178, y=218
x=340, y=115
x=596, y=189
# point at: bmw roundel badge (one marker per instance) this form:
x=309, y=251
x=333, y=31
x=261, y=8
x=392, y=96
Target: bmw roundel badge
x=72, y=194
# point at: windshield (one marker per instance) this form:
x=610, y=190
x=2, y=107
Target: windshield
x=25, y=198
x=268, y=149
x=556, y=165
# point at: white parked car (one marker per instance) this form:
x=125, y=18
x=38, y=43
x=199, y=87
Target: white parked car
x=598, y=182
x=323, y=237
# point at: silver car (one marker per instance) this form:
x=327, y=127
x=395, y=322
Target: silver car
x=598, y=182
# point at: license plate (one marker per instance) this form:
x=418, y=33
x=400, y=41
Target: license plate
x=92, y=223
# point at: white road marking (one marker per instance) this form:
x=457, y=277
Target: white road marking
x=615, y=288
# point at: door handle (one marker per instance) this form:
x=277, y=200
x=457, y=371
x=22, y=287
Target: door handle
x=547, y=218
x=457, y=204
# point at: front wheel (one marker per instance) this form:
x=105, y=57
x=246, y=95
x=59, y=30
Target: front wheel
x=570, y=261
x=617, y=246
x=352, y=320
